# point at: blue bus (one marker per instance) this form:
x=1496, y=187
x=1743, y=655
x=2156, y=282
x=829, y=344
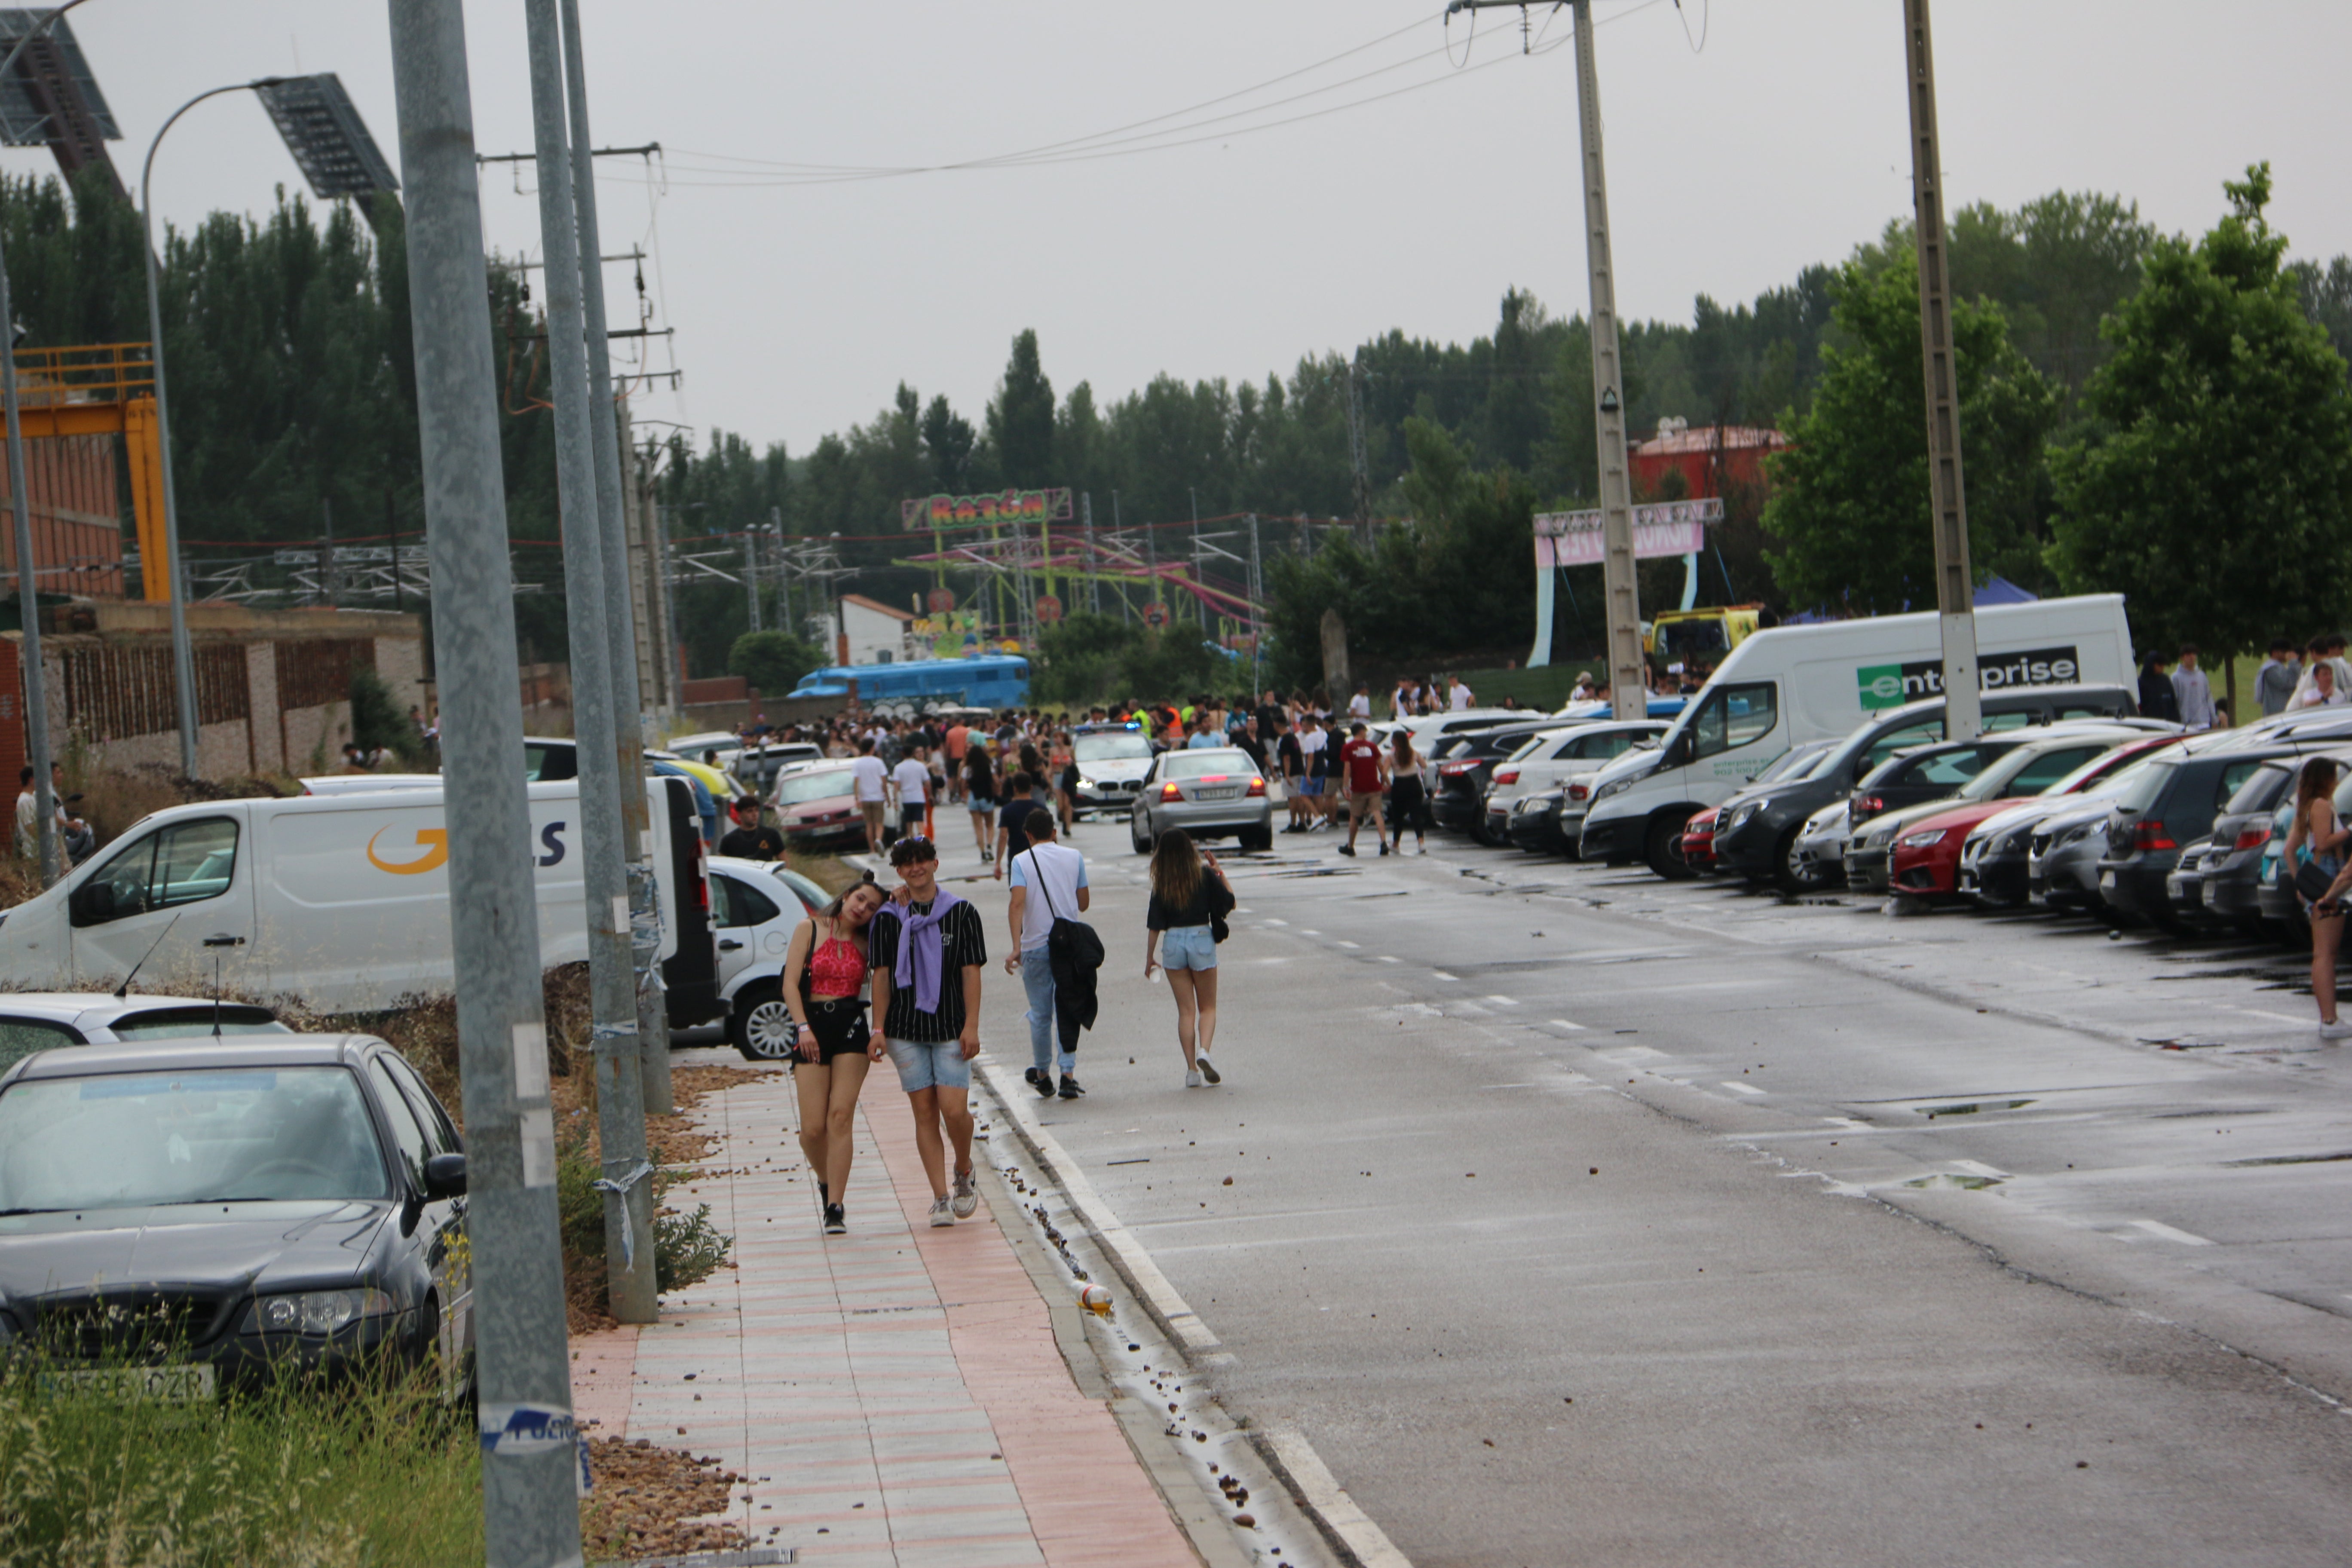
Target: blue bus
x=986, y=680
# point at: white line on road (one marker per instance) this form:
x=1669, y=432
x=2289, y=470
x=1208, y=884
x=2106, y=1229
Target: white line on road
x=1304, y=1469
x=2158, y=1229
x=1978, y=1168
x=1272, y=922
x=1741, y=1088
x=1441, y=974
x=1564, y=1024
x=1342, y=941
x=1504, y=1001
x=1384, y=958
x=1304, y=931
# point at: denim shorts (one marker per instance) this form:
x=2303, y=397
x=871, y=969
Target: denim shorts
x=1188, y=947
x=983, y=805
x=922, y=1066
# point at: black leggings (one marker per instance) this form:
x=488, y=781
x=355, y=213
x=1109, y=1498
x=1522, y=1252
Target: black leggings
x=1408, y=807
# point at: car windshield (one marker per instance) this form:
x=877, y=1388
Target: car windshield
x=1112, y=748
x=2261, y=792
x=181, y=1023
x=1993, y=784
x=798, y=789
x=203, y=1135
x=1792, y=766
x=1201, y=764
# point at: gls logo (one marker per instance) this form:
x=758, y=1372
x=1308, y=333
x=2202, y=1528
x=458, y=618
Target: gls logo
x=1893, y=685
x=435, y=843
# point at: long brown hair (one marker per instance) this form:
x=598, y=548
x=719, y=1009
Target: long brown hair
x=1401, y=746
x=1176, y=869
x=2316, y=782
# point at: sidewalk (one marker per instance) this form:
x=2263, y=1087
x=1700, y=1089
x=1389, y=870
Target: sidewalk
x=896, y=1396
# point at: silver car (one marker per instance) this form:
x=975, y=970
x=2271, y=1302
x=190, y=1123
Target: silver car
x=1210, y=794
x=1112, y=760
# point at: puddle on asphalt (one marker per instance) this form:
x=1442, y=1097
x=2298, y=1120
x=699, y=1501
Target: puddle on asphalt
x=1942, y=1181
x=2291, y=1160
x=1970, y=1108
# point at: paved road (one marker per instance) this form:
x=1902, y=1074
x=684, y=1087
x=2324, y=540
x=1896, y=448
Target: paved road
x=1578, y=1218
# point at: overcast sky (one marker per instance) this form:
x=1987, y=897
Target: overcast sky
x=799, y=307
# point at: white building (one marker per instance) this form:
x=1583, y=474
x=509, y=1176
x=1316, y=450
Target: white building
x=868, y=631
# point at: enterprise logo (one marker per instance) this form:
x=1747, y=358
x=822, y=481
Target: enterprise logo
x=1893, y=685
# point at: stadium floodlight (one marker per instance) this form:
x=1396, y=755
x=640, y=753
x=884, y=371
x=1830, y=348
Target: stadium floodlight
x=324, y=132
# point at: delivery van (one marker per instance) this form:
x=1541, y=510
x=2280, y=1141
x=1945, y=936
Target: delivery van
x=1788, y=684
x=339, y=900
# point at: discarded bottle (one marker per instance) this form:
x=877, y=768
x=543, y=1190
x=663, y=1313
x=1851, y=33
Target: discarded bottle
x=1095, y=1298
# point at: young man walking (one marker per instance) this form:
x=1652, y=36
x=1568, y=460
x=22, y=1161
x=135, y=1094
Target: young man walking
x=910, y=781
x=2275, y=684
x=873, y=783
x=928, y=953
x=1365, y=769
x=1049, y=880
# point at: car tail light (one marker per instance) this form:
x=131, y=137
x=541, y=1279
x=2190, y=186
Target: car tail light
x=1169, y=791
x=1864, y=807
x=2150, y=834
x=1256, y=788
x=2252, y=837
x=1506, y=776
x=702, y=874
x=1580, y=792
x=1450, y=769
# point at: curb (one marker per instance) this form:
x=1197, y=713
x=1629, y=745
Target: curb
x=1345, y=1527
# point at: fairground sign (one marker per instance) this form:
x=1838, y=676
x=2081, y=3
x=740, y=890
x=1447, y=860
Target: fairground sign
x=1663, y=528
x=980, y=510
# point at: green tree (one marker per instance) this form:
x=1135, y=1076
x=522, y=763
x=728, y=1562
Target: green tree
x=1020, y=418
x=1849, y=515
x=2211, y=487
x=772, y=662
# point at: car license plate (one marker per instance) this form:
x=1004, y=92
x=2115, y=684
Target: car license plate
x=2172, y=888
x=191, y=1384
x=2106, y=882
x=1221, y=792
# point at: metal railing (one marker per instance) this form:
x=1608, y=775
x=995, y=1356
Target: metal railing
x=84, y=373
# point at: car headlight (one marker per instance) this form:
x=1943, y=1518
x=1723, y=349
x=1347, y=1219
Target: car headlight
x=1921, y=840
x=1740, y=815
x=2073, y=835
x=314, y=1312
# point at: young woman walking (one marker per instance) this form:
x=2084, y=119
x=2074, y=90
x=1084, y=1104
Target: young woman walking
x=1188, y=891
x=1408, y=792
x=979, y=792
x=825, y=984
x=2318, y=838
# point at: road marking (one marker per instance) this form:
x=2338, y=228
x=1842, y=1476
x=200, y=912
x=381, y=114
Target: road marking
x=2282, y=1017
x=2157, y=1228
x=1978, y=1168
x=1564, y=1024
x=1272, y=922
x=1342, y=941
x=1504, y=1001
x=1298, y=1464
x=1487, y=1086
x=1304, y=931
x=1384, y=958
x=1734, y=1085
x=1441, y=974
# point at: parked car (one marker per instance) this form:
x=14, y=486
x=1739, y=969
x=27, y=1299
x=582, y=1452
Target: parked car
x=1212, y=793
x=817, y=806
x=1927, y=839
x=40, y=1020
x=1552, y=756
x=2170, y=803
x=178, y=1219
x=757, y=768
x=1817, y=858
x=1697, y=846
x=1911, y=778
x=1762, y=845
x=1458, y=778
x=1112, y=760
x=1537, y=826
x=2215, y=880
x=1993, y=857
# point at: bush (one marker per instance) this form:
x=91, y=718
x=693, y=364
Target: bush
x=772, y=662
x=377, y=722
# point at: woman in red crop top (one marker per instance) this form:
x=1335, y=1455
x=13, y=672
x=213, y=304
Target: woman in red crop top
x=824, y=986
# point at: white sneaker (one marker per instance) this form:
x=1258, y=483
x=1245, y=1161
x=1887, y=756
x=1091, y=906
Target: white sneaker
x=942, y=1212
x=2337, y=1031
x=1208, y=1068
x=965, y=1196
x=1191, y=1077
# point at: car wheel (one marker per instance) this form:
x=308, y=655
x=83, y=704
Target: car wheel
x=1662, y=847
x=1787, y=873
x=1135, y=835
x=1254, y=840
x=762, y=1025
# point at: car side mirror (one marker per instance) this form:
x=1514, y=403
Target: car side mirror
x=444, y=1176
x=93, y=903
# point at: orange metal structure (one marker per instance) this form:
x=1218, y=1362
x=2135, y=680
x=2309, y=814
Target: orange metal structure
x=105, y=389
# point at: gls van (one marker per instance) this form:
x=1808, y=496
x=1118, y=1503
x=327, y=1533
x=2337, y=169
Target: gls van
x=1792, y=684
x=341, y=900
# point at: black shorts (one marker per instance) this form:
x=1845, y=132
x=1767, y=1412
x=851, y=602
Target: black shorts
x=839, y=1025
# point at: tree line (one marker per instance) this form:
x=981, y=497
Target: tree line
x=292, y=388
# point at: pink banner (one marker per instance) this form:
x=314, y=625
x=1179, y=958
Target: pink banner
x=1662, y=528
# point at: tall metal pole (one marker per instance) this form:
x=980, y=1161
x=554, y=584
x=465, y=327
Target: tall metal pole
x=751, y=576
x=327, y=552
x=1628, y=677
x=530, y=1508
x=620, y=1106
x=1094, y=566
x=1948, y=498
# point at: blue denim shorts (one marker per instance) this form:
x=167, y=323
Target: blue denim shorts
x=983, y=805
x=922, y=1066
x=1188, y=947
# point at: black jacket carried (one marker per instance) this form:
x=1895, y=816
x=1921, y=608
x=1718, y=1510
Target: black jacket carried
x=1075, y=953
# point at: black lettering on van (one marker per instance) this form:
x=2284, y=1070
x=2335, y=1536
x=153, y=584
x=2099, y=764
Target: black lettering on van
x=553, y=836
x=1997, y=672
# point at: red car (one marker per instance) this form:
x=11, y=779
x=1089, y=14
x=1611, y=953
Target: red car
x=1698, y=841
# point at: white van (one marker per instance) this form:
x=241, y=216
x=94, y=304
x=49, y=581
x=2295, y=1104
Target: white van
x=1792, y=684
x=340, y=900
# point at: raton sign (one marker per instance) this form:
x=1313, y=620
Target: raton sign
x=983, y=511
x=1661, y=528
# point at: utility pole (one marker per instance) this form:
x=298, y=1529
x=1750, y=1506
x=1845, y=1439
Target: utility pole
x=327, y=553
x=1948, y=500
x=29, y=601
x=751, y=575
x=530, y=1508
x=605, y=871
x=610, y=440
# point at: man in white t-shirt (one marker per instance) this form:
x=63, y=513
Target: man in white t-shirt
x=1048, y=880
x=873, y=783
x=910, y=782
x=1458, y=695
x=1360, y=706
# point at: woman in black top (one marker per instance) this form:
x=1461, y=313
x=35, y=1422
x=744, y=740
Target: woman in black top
x=980, y=792
x=1189, y=893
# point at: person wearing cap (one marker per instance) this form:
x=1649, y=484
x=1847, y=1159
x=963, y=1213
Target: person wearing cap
x=928, y=953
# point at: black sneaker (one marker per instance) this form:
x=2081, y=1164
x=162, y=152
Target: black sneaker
x=1042, y=1081
x=1070, y=1090
x=836, y=1222
x=1346, y=849
x=1384, y=846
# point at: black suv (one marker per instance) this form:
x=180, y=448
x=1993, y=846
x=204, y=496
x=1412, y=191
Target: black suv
x=1457, y=794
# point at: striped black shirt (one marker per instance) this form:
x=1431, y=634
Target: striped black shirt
x=963, y=943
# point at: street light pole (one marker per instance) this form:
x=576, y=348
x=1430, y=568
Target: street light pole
x=183, y=672
x=529, y=1506
x=31, y=674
